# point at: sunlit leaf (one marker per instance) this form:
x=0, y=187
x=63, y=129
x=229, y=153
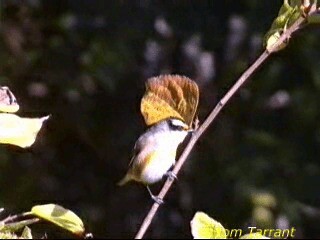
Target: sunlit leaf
x=288, y=14
x=204, y=227
x=272, y=39
x=8, y=235
x=19, y=131
x=8, y=102
x=26, y=233
x=60, y=216
x=15, y=226
x=264, y=199
x=253, y=236
x=170, y=96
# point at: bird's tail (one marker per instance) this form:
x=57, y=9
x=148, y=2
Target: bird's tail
x=124, y=180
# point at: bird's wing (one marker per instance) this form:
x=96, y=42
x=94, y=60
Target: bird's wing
x=136, y=150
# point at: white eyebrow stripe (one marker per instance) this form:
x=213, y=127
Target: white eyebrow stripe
x=177, y=122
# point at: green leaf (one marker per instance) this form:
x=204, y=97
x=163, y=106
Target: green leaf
x=253, y=236
x=15, y=226
x=264, y=199
x=8, y=235
x=203, y=226
x=1, y=225
x=60, y=216
x=272, y=39
x=19, y=131
x=288, y=14
x=26, y=233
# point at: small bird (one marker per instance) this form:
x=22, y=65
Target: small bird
x=155, y=152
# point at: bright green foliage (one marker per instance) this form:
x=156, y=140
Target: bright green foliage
x=264, y=199
x=26, y=234
x=11, y=227
x=203, y=226
x=289, y=12
x=16, y=226
x=89, y=70
x=15, y=130
x=60, y=216
x=8, y=235
x=8, y=231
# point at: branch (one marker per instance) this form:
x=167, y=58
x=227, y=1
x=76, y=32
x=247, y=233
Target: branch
x=15, y=217
x=212, y=116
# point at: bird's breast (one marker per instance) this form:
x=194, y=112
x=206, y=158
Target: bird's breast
x=156, y=164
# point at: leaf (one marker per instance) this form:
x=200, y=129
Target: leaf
x=253, y=236
x=272, y=39
x=288, y=14
x=19, y=131
x=169, y=96
x=26, y=233
x=264, y=199
x=8, y=102
x=60, y=216
x=203, y=226
x=15, y=226
x=8, y=235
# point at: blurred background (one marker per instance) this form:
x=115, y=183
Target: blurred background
x=86, y=63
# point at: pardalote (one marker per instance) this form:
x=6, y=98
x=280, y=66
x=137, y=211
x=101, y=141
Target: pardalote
x=168, y=108
x=155, y=153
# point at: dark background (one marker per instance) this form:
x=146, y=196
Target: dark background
x=86, y=62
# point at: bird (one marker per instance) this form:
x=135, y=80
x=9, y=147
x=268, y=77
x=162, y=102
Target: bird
x=154, y=153
x=168, y=107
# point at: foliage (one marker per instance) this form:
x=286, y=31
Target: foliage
x=22, y=132
x=205, y=227
x=64, y=218
x=86, y=64
x=15, y=130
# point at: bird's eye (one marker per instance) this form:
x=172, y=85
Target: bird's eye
x=180, y=128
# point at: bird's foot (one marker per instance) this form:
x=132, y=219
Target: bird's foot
x=157, y=199
x=171, y=175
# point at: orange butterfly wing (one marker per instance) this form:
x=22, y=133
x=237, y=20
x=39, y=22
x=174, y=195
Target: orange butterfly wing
x=169, y=96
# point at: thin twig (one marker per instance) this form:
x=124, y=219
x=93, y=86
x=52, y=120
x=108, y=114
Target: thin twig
x=15, y=217
x=244, y=77
x=18, y=225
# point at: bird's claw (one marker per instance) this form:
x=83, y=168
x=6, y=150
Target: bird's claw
x=171, y=175
x=157, y=199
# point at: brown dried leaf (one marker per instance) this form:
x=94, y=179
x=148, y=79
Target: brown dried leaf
x=169, y=96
